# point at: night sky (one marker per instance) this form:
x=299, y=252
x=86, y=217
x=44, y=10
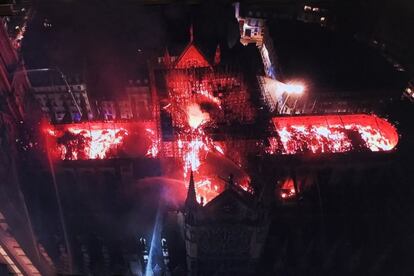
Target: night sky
x=108, y=43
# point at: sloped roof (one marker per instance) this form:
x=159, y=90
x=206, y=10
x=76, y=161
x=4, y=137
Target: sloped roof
x=233, y=193
x=191, y=55
x=231, y=206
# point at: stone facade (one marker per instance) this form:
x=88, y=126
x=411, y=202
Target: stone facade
x=225, y=236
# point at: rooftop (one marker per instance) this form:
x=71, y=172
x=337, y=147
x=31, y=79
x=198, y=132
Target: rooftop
x=46, y=77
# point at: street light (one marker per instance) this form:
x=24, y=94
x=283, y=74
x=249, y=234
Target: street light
x=294, y=88
x=291, y=89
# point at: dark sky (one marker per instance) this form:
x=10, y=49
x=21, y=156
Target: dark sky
x=109, y=43
x=332, y=61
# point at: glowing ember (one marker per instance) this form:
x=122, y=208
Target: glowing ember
x=90, y=144
x=194, y=147
x=204, y=190
x=373, y=138
x=210, y=97
x=196, y=98
x=196, y=117
x=154, y=148
x=219, y=149
x=287, y=189
x=102, y=140
x=193, y=152
x=330, y=134
x=314, y=139
x=199, y=143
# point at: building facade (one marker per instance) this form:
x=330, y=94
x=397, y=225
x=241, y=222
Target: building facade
x=20, y=252
x=227, y=235
x=58, y=101
x=135, y=103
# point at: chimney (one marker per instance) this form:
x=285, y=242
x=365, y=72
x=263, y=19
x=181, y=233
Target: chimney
x=217, y=56
x=167, y=58
x=191, y=33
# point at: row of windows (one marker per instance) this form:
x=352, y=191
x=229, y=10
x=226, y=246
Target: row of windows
x=43, y=99
x=62, y=88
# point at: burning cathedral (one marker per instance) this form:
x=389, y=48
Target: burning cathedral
x=211, y=131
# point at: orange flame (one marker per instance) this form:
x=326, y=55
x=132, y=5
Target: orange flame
x=287, y=189
x=97, y=142
x=195, y=148
x=155, y=147
x=331, y=134
x=196, y=117
x=103, y=140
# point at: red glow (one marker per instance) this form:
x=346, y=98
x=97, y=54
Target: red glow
x=97, y=142
x=332, y=133
x=194, y=148
x=287, y=189
x=196, y=117
x=195, y=153
x=191, y=57
x=196, y=99
x=102, y=140
x=154, y=149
